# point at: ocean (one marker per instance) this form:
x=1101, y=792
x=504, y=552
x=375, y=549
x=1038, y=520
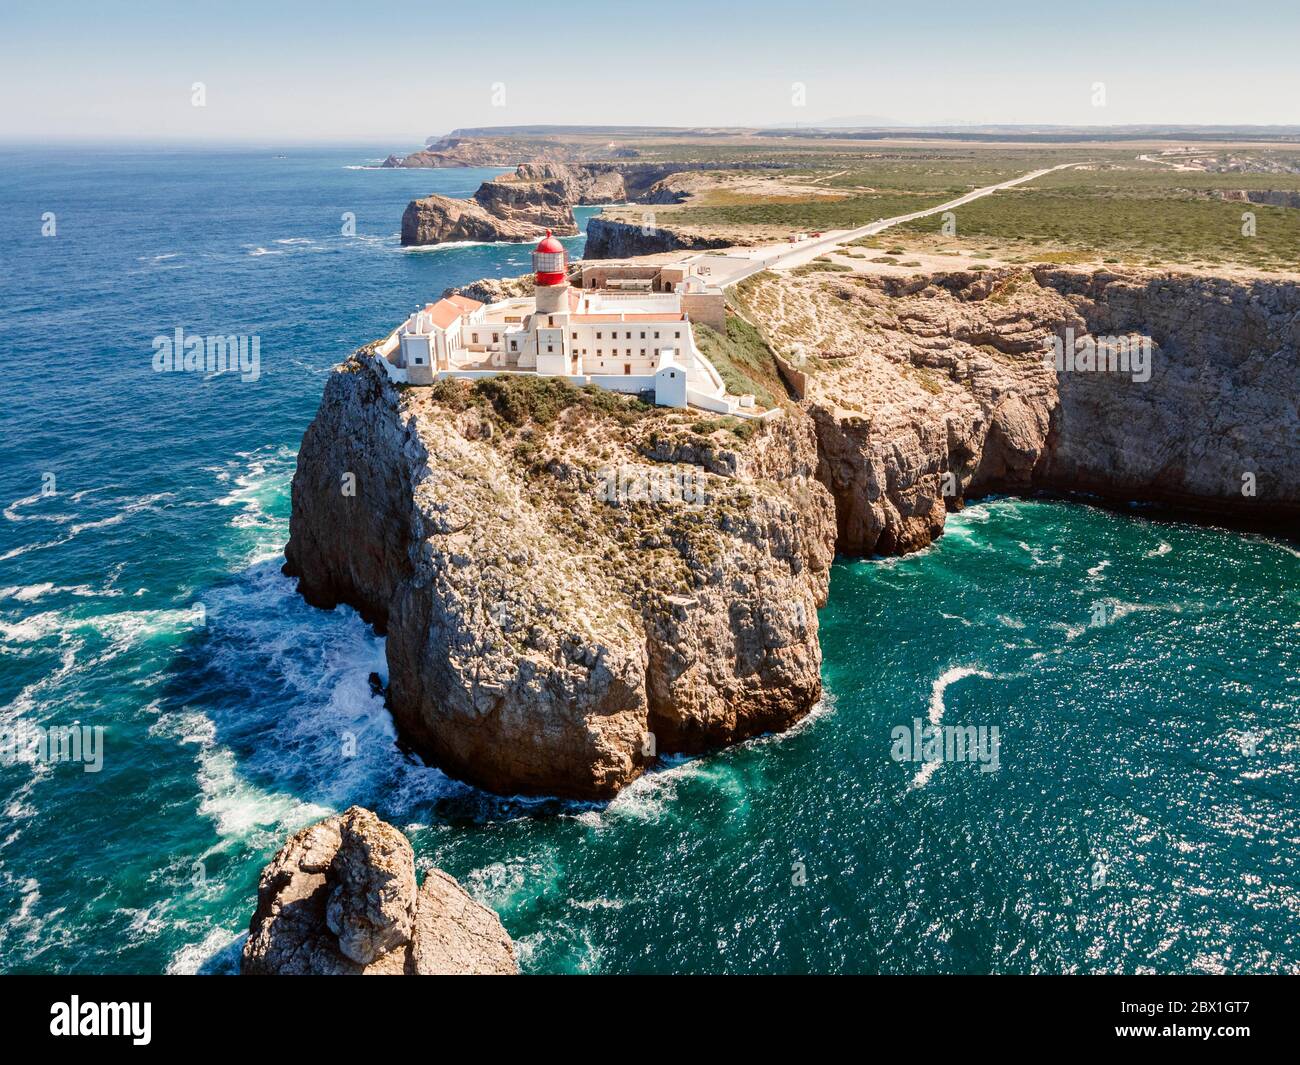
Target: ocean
x=1136, y=680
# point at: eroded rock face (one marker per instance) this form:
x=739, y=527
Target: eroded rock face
x=545, y=640
x=609, y=238
x=541, y=638
x=441, y=219
x=540, y=195
x=372, y=888
x=928, y=391
x=1221, y=403
x=340, y=899
x=455, y=935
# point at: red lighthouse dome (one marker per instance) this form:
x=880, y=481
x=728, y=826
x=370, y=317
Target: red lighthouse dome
x=550, y=261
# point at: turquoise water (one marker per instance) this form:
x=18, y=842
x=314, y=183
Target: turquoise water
x=1142, y=674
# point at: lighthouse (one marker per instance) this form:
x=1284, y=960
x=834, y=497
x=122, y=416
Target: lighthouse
x=550, y=263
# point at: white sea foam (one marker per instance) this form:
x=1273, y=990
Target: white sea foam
x=451, y=245
x=31, y=593
x=130, y=506
x=1163, y=549
x=936, y=709
x=11, y=512
x=218, y=952
x=1096, y=571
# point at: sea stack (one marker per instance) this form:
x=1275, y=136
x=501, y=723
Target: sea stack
x=340, y=899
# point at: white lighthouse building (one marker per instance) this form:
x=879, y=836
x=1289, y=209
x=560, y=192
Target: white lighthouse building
x=637, y=341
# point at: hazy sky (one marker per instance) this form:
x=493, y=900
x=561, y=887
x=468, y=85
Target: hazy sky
x=394, y=72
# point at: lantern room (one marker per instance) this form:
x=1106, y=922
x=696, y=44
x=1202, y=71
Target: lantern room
x=550, y=262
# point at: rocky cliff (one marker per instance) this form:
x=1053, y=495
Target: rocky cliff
x=539, y=196
x=573, y=583
x=609, y=238
x=927, y=391
x=442, y=220
x=340, y=899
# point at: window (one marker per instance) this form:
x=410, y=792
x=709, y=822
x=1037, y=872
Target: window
x=678, y=334
x=549, y=348
x=598, y=334
x=642, y=334
x=573, y=336
x=473, y=338
x=628, y=336
x=599, y=352
x=495, y=338
x=656, y=335
x=627, y=369
x=627, y=351
x=550, y=319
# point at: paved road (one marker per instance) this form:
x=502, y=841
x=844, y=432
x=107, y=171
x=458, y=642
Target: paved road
x=727, y=269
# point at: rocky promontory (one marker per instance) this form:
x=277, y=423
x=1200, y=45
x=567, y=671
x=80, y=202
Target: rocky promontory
x=572, y=582
x=540, y=195
x=444, y=220
x=339, y=899
x=575, y=584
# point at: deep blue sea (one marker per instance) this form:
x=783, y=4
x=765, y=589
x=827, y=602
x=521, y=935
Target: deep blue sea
x=1144, y=676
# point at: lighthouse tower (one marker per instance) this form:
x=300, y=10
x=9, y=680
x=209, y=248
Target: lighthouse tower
x=551, y=266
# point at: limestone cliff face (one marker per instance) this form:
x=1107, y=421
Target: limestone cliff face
x=609, y=238
x=1221, y=403
x=572, y=583
x=540, y=195
x=442, y=219
x=932, y=390
x=339, y=899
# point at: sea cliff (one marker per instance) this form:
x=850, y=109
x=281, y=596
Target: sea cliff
x=555, y=623
x=538, y=196
x=572, y=583
x=930, y=390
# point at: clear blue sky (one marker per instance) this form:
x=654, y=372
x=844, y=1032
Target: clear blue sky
x=396, y=72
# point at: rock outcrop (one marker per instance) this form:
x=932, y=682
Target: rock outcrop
x=572, y=583
x=929, y=391
x=540, y=195
x=442, y=220
x=556, y=621
x=1267, y=197
x=340, y=899
x=609, y=238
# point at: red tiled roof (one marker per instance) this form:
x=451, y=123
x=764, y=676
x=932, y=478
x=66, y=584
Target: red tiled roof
x=445, y=312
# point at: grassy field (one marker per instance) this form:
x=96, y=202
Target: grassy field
x=798, y=214
x=1117, y=207
x=1150, y=214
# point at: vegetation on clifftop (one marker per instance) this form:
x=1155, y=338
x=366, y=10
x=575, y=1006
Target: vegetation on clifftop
x=743, y=359
x=517, y=400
